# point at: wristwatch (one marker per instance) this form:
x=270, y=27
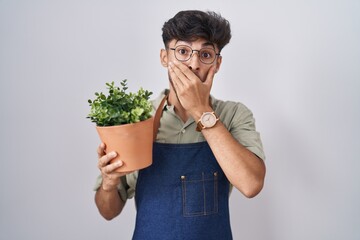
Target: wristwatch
x=207, y=120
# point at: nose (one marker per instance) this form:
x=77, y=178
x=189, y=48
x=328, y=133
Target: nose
x=194, y=61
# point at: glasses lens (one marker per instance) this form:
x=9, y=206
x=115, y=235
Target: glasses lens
x=207, y=55
x=183, y=53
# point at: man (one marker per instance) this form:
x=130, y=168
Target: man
x=204, y=146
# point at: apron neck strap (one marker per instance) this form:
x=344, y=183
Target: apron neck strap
x=157, y=117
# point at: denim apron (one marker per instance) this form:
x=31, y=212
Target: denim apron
x=183, y=195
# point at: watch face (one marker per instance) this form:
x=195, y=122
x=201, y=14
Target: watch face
x=208, y=119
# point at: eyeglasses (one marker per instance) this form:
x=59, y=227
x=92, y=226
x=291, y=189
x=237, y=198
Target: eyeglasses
x=184, y=53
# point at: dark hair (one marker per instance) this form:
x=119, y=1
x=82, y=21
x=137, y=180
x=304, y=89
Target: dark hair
x=194, y=24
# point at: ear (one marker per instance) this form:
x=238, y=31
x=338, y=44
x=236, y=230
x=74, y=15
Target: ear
x=163, y=58
x=218, y=63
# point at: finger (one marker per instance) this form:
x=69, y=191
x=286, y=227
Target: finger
x=185, y=71
x=101, y=150
x=104, y=160
x=175, y=82
x=121, y=174
x=111, y=167
x=177, y=74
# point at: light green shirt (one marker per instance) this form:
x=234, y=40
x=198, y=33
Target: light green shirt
x=236, y=117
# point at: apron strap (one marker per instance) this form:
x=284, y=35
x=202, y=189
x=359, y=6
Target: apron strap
x=157, y=117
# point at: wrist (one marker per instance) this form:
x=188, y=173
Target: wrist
x=206, y=121
x=108, y=188
x=196, y=114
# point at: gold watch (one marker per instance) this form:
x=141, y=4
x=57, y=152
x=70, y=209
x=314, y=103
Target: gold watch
x=207, y=120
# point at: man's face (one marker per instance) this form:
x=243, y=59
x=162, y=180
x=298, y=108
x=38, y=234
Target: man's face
x=198, y=61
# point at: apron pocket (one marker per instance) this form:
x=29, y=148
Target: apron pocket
x=200, y=194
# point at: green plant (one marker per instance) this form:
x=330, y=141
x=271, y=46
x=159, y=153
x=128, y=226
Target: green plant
x=120, y=107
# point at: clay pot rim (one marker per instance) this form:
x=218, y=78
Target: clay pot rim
x=127, y=124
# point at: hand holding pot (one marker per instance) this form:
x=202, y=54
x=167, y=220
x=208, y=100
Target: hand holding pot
x=111, y=178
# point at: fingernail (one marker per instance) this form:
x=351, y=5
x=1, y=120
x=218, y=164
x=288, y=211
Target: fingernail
x=113, y=154
x=119, y=163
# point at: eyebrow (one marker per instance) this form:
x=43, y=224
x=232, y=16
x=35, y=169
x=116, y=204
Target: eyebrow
x=205, y=44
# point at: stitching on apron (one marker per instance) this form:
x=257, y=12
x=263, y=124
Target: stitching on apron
x=202, y=181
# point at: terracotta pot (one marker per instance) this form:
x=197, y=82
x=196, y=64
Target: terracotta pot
x=132, y=142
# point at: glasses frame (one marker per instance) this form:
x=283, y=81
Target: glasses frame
x=194, y=50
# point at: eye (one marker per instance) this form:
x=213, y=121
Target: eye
x=182, y=50
x=207, y=53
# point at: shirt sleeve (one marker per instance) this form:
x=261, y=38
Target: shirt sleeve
x=240, y=122
x=243, y=129
x=126, y=187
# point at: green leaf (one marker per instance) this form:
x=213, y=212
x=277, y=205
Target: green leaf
x=119, y=106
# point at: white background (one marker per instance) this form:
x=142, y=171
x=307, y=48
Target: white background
x=295, y=64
